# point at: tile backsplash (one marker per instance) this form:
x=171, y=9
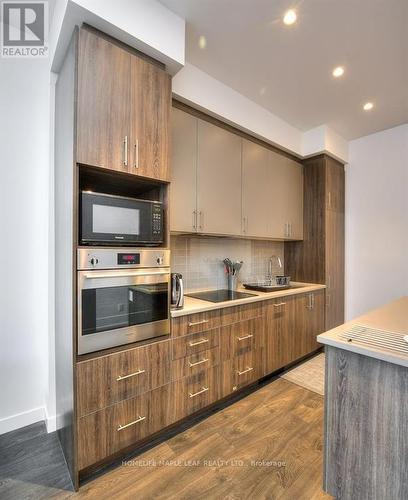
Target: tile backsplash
x=199, y=259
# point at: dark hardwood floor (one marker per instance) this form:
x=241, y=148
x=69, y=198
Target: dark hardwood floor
x=266, y=445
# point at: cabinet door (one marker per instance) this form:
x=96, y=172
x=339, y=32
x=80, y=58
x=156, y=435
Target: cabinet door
x=103, y=111
x=218, y=180
x=257, y=184
x=309, y=322
x=150, y=119
x=279, y=339
x=335, y=195
x=334, y=268
x=183, y=192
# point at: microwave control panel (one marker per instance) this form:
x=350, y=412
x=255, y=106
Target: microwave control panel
x=157, y=221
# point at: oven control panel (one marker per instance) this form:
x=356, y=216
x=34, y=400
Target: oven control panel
x=117, y=258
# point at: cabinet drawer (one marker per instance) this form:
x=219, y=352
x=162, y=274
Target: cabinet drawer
x=192, y=344
x=115, y=377
x=240, y=313
x=239, y=338
x=240, y=371
x=194, y=323
x=107, y=431
x=193, y=393
x=195, y=363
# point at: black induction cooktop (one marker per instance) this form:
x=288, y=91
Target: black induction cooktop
x=219, y=295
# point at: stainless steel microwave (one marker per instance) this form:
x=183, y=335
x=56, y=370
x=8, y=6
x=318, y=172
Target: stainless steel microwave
x=117, y=220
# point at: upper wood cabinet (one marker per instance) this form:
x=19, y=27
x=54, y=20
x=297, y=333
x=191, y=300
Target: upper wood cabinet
x=272, y=194
x=218, y=180
x=103, y=102
x=123, y=109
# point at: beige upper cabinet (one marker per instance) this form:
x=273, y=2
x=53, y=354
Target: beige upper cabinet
x=183, y=191
x=286, y=201
x=218, y=180
x=256, y=190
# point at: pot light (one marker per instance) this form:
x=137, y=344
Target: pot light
x=289, y=17
x=367, y=106
x=339, y=71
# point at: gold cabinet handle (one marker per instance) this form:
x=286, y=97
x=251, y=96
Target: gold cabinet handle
x=249, y=369
x=198, y=362
x=124, y=377
x=249, y=336
x=140, y=419
x=199, y=342
x=203, y=390
x=280, y=304
x=198, y=322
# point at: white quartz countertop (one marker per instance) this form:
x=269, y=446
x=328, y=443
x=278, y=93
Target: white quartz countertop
x=391, y=318
x=192, y=305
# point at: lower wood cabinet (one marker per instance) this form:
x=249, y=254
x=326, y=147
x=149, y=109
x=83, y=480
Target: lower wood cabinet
x=195, y=392
x=116, y=427
x=108, y=379
x=125, y=397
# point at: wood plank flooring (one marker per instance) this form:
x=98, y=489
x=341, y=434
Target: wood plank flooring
x=267, y=445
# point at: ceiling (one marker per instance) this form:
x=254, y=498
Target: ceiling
x=288, y=69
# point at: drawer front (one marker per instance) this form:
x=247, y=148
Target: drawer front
x=192, y=344
x=195, y=363
x=193, y=393
x=240, y=371
x=239, y=338
x=241, y=313
x=194, y=323
x=105, y=432
x=113, y=378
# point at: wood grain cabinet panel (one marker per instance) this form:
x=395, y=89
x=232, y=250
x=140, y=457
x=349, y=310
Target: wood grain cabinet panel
x=150, y=120
x=240, y=313
x=195, y=343
x=115, y=377
x=112, y=429
x=103, y=110
x=195, y=323
x=195, y=392
x=195, y=363
x=240, y=371
x=238, y=338
x=309, y=322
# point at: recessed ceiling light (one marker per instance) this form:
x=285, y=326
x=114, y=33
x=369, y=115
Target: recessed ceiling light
x=202, y=42
x=289, y=17
x=339, y=71
x=367, y=106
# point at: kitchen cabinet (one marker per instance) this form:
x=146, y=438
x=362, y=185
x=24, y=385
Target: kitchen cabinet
x=228, y=185
x=123, y=109
x=183, y=198
x=319, y=258
x=291, y=326
x=103, y=111
x=218, y=180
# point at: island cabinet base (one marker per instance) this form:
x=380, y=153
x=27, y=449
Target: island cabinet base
x=366, y=428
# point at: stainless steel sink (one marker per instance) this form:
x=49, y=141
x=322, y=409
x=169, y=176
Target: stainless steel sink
x=268, y=287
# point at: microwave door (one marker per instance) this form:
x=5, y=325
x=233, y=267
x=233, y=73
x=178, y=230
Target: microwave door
x=118, y=307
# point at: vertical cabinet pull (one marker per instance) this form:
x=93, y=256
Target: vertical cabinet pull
x=245, y=224
x=125, y=151
x=201, y=220
x=195, y=220
x=136, y=164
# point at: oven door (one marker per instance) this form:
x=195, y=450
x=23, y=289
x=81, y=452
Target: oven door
x=122, y=306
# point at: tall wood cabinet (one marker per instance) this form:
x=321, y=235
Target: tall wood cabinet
x=319, y=258
x=123, y=109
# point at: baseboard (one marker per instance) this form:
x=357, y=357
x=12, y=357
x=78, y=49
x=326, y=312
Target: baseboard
x=50, y=422
x=21, y=420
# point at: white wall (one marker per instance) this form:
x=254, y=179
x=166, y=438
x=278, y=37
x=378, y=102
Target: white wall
x=376, y=220
x=24, y=198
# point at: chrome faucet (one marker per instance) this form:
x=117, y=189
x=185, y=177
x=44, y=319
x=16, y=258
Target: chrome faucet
x=270, y=266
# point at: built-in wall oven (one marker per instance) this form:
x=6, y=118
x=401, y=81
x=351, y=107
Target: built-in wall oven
x=123, y=296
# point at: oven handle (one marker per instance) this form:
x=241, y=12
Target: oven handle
x=116, y=274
